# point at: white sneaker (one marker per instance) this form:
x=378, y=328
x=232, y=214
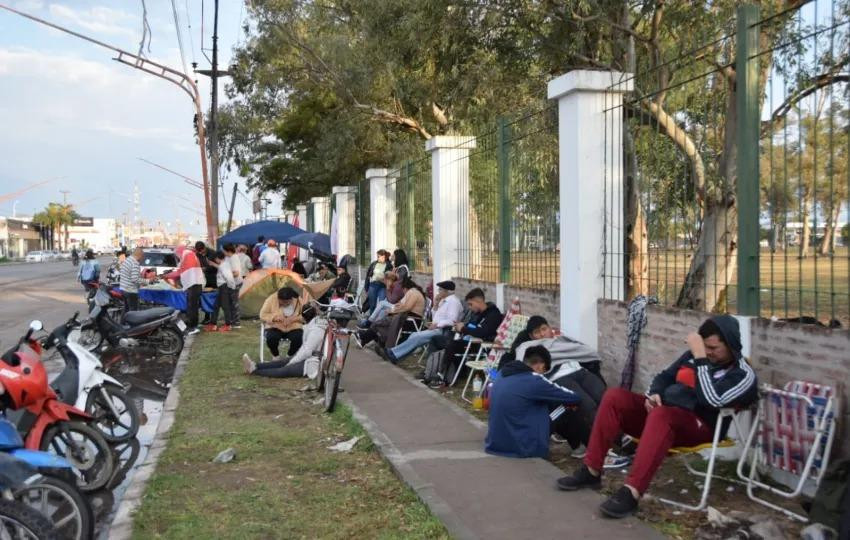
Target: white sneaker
x=579, y=452
x=248, y=365
x=193, y=331
x=555, y=438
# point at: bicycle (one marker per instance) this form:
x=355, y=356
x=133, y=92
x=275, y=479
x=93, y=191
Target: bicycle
x=334, y=350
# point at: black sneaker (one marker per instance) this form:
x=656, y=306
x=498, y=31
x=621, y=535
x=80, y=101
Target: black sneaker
x=580, y=479
x=620, y=504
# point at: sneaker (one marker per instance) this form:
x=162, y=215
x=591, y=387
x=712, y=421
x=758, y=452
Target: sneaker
x=210, y=328
x=580, y=479
x=555, y=438
x=193, y=331
x=224, y=328
x=236, y=326
x=616, y=461
x=620, y=504
x=579, y=452
x=248, y=365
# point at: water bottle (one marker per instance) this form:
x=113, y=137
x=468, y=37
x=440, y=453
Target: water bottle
x=477, y=384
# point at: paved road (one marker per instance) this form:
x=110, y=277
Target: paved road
x=46, y=291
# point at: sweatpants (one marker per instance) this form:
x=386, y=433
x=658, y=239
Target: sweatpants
x=575, y=425
x=275, y=336
x=279, y=369
x=193, y=304
x=234, y=304
x=664, y=427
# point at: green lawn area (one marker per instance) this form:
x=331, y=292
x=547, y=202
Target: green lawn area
x=284, y=482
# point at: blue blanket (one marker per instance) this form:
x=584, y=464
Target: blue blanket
x=177, y=299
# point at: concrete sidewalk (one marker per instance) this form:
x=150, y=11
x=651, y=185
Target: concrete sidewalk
x=438, y=449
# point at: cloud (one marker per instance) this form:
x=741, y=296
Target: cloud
x=136, y=132
x=28, y=5
x=99, y=19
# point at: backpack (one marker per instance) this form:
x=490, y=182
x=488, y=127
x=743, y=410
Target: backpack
x=434, y=367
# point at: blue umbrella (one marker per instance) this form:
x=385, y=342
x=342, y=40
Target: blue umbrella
x=280, y=231
x=316, y=242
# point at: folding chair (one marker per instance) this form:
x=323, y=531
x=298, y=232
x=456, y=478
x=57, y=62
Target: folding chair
x=262, y=340
x=414, y=324
x=792, y=438
x=501, y=344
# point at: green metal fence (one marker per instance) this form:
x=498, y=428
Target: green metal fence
x=364, y=223
x=735, y=158
x=414, y=225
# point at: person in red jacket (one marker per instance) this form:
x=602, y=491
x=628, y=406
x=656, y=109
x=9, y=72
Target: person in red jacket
x=192, y=280
x=680, y=409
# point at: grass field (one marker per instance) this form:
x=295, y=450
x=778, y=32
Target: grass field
x=284, y=482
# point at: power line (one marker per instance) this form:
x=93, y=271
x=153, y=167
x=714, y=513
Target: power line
x=189, y=24
x=203, y=51
x=146, y=31
x=179, y=37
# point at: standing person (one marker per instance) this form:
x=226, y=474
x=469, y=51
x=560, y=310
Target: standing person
x=226, y=283
x=192, y=280
x=75, y=256
x=257, y=249
x=270, y=257
x=237, y=268
x=209, y=267
x=680, y=409
x=245, y=264
x=375, y=279
x=281, y=313
x=89, y=272
x=130, y=279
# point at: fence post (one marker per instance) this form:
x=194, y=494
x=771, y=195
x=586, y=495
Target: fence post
x=450, y=204
x=382, y=212
x=504, y=153
x=747, y=189
x=361, y=225
x=303, y=223
x=587, y=101
x=321, y=206
x=410, y=200
x=345, y=204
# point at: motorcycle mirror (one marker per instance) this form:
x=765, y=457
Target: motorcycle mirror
x=36, y=326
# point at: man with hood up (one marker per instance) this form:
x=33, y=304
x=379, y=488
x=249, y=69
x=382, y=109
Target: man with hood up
x=680, y=409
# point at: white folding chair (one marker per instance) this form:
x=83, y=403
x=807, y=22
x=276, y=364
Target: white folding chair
x=790, y=440
x=494, y=350
x=262, y=340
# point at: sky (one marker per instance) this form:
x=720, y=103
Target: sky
x=71, y=113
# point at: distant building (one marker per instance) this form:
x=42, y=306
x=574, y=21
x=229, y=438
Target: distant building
x=96, y=233
x=19, y=236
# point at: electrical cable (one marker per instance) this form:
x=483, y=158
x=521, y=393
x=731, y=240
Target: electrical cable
x=179, y=38
x=146, y=30
x=189, y=24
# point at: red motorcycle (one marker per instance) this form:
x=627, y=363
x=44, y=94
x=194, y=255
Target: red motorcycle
x=46, y=423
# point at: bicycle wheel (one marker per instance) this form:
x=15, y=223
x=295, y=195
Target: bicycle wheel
x=62, y=504
x=85, y=448
x=114, y=429
x=21, y=522
x=331, y=386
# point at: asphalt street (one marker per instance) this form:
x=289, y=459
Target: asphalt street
x=47, y=291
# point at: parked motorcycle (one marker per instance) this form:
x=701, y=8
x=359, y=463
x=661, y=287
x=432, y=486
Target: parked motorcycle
x=84, y=385
x=17, y=520
x=46, y=423
x=48, y=488
x=159, y=328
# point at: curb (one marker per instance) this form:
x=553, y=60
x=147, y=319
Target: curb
x=121, y=527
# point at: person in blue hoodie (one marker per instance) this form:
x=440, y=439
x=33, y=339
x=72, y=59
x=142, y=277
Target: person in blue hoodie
x=522, y=405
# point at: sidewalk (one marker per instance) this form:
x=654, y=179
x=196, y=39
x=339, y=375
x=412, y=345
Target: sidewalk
x=438, y=449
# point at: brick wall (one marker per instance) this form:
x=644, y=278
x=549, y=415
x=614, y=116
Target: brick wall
x=543, y=302
x=780, y=352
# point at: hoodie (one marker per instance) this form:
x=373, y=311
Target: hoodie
x=189, y=271
x=484, y=325
x=520, y=402
x=698, y=385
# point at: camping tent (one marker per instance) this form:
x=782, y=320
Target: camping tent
x=260, y=284
x=279, y=231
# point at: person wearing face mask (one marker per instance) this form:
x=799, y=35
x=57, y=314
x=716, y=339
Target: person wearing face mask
x=281, y=313
x=522, y=401
x=680, y=409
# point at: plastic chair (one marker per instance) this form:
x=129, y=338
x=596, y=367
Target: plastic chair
x=792, y=438
x=494, y=352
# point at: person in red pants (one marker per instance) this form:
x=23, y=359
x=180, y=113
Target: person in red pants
x=680, y=409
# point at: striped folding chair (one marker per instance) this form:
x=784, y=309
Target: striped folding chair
x=790, y=440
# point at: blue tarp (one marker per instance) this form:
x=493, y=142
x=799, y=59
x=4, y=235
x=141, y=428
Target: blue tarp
x=317, y=242
x=177, y=299
x=280, y=231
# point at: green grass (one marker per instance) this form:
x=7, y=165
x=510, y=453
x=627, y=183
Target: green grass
x=284, y=483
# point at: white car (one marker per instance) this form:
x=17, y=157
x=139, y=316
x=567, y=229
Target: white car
x=37, y=256
x=158, y=260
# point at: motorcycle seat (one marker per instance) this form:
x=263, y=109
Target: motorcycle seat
x=134, y=318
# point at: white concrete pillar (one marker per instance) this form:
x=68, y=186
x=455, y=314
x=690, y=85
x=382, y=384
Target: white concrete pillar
x=321, y=214
x=450, y=202
x=345, y=202
x=382, y=213
x=590, y=143
x=301, y=209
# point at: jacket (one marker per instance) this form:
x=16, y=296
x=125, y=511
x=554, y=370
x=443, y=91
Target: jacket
x=448, y=312
x=700, y=386
x=224, y=275
x=484, y=325
x=371, y=270
x=272, y=309
x=520, y=402
x=189, y=271
x=568, y=356
x=413, y=302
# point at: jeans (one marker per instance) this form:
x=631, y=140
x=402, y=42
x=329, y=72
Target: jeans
x=275, y=336
x=377, y=291
x=193, y=304
x=622, y=411
x=279, y=369
x=413, y=342
x=380, y=310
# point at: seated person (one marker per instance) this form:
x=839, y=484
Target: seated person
x=281, y=313
x=297, y=365
x=446, y=314
x=680, y=409
x=394, y=294
x=568, y=361
x=520, y=402
x=483, y=324
x=525, y=335
x=298, y=267
x=342, y=282
x=386, y=330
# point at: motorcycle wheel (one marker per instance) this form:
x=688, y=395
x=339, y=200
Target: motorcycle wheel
x=62, y=504
x=90, y=337
x=167, y=341
x=85, y=448
x=17, y=520
x=114, y=430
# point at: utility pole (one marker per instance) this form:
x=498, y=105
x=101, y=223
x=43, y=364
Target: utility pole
x=232, y=203
x=212, y=133
x=64, y=193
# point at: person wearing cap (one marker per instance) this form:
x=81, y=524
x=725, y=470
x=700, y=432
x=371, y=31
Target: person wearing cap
x=270, y=257
x=447, y=312
x=680, y=409
x=192, y=280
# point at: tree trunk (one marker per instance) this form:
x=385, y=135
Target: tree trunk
x=637, y=238
x=807, y=230
x=827, y=246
